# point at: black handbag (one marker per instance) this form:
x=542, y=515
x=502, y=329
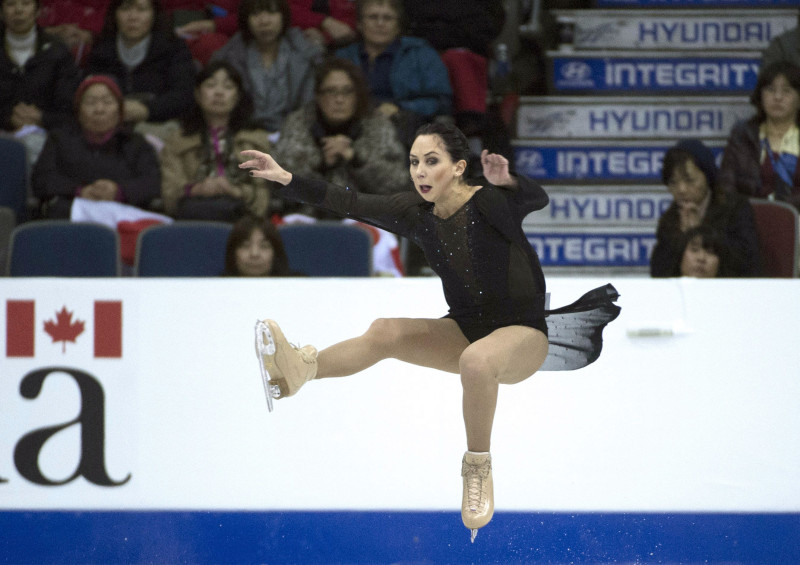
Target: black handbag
x=221, y=208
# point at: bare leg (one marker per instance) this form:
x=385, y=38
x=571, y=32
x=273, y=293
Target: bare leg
x=435, y=343
x=506, y=356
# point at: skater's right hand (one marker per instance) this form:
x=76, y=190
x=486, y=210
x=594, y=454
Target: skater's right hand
x=265, y=167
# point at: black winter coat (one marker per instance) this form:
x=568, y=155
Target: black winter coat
x=48, y=80
x=164, y=81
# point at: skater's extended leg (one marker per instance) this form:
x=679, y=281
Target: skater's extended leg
x=506, y=356
x=436, y=343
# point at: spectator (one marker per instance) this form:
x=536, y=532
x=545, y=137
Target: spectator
x=690, y=174
x=785, y=47
x=328, y=24
x=338, y=139
x=406, y=77
x=38, y=77
x=98, y=158
x=760, y=158
x=200, y=162
x=153, y=67
x=204, y=26
x=255, y=249
x=463, y=33
x=75, y=22
x=275, y=60
x=704, y=254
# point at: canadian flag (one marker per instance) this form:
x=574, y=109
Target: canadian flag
x=63, y=326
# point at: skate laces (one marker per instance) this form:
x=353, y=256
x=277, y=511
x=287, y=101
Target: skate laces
x=475, y=475
x=308, y=353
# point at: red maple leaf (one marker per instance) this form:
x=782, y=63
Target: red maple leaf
x=64, y=329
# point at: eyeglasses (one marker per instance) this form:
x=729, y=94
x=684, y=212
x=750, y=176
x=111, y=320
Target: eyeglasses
x=376, y=18
x=332, y=92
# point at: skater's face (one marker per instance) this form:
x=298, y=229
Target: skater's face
x=698, y=261
x=255, y=255
x=688, y=184
x=432, y=168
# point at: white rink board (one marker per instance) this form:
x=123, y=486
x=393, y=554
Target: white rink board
x=706, y=421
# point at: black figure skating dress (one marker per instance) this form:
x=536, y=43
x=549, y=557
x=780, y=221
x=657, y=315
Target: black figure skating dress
x=490, y=273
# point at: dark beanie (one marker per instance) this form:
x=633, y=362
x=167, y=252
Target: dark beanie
x=702, y=156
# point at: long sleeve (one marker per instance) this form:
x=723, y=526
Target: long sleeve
x=142, y=184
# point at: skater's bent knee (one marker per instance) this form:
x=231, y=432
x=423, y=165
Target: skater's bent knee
x=475, y=368
x=384, y=332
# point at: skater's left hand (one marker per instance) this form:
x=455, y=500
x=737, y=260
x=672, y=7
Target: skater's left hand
x=495, y=169
x=265, y=167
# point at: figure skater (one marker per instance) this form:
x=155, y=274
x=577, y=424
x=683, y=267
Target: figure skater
x=496, y=331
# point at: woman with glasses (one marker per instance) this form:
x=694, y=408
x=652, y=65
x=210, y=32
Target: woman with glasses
x=690, y=174
x=407, y=79
x=338, y=139
x=761, y=155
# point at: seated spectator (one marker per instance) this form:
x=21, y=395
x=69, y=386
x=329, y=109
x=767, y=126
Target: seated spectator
x=760, y=158
x=329, y=24
x=275, y=60
x=255, y=249
x=463, y=33
x=75, y=22
x=201, y=178
x=338, y=139
x=204, y=26
x=785, y=47
x=153, y=67
x=690, y=174
x=703, y=255
x=406, y=77
x=38, y=77
x=97, y=158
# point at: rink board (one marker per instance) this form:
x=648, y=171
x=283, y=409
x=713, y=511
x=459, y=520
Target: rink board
x=681, y=448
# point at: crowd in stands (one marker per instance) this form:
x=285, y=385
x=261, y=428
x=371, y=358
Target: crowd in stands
x=148, y=103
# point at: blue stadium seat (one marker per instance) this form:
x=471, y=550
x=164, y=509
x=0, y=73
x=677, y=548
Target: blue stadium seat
x=328, y=249
x=60, y=248
x=13, y=177
x=182, y=249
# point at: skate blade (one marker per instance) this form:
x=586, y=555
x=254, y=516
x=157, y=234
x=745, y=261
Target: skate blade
x=472, y=535
x=265, y=345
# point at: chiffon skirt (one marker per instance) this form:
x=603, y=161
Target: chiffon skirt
x=575, y=331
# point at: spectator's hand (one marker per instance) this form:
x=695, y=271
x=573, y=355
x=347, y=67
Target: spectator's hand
x=195, y=29
x=339, y=32
x=315, y=36
x=71, y=34
x=25, y=115
x=495, y=169
x=264, y=166
x=336, y=148
x=135, y=111
x=101, y=189
x=689, y=214
x=211, y=186
x=387, y=109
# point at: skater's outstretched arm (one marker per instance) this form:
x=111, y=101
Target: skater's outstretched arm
x=263, y=166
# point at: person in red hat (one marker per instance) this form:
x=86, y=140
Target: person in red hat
x=96, y=158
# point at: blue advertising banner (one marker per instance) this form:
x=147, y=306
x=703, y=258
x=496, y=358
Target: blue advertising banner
x=596, y=248
x=657, y=73
x=694, y=3
x=739, y=29
x=562, y=117
x=592, y=161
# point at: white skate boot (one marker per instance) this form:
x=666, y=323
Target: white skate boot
x=477, y=503
x=284, y=367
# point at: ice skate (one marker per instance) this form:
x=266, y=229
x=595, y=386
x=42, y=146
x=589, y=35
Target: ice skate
x=284, y=367
x=477, y=504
